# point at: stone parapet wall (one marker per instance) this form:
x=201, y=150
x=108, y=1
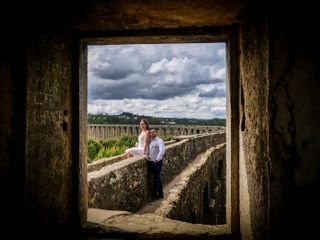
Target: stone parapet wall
x=124, y=185
x=119, y=186
x=179, y=154
x=199, y=196
x=97, y=165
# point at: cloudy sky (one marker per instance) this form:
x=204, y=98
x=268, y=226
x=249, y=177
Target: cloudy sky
x=162, y=80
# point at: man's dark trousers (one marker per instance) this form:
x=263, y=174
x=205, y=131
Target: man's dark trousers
x=155, y=169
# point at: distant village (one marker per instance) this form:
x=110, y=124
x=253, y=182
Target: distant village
x=130, y=118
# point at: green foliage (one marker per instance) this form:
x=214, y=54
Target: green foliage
x=93, y=150
x=113, y=147
x=168, y=138
x=110, y=152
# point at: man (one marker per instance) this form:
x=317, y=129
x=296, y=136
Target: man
x=156, y=150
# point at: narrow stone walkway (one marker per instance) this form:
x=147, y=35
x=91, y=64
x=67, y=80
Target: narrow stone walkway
x=152, y=206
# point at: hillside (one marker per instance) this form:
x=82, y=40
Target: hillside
x=129, y=118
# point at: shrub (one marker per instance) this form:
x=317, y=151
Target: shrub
x=109, y=148
x=93, y=149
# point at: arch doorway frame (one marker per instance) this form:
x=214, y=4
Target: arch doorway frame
x=227, y=34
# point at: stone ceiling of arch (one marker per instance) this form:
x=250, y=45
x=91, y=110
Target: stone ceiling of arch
x=141, y=14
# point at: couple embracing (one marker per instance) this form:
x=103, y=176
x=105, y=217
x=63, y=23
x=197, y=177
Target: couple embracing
x=152, y=148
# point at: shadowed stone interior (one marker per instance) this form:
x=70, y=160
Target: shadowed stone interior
x=272, y=121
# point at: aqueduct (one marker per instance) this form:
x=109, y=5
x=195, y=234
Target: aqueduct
x=109, y=131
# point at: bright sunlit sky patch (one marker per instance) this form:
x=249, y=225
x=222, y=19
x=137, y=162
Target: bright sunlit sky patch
x=161, y=80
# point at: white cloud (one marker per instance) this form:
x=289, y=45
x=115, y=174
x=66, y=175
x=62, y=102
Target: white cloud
x=221, y=52
x=188, y=106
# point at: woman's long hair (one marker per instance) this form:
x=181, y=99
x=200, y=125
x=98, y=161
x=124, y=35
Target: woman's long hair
x=147, y=124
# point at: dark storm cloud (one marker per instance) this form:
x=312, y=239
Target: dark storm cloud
x=116, y=62
x=152, y=71
x=112, y=72
x=216, y=92
x=144, y=89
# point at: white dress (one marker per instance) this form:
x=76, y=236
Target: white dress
x=138, y=151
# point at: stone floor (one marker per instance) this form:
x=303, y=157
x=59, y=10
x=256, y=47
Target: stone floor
x=107, y=224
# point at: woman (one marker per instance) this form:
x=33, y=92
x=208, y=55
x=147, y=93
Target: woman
x=143, y=139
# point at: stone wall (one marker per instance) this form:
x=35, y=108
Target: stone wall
x=124, y=185
x=199, y=196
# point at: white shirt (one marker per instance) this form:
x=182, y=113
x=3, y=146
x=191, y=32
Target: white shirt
x=156, y=149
